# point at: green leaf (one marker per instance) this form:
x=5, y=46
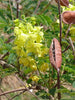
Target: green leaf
x=73, y=84
x=52, y=91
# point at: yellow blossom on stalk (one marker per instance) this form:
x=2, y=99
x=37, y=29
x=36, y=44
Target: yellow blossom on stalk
x=29, y=27
x=18, y=50
x=20, y=40
x=35, y=78
x=23, y=53
x=17, y=31
x=28, y=85
x=44, y=51
x=28, y=44
x=24, y=61
x=28, y=61
x=16, y=22
x=33, y=47
x=33, y=67
x=44, y=67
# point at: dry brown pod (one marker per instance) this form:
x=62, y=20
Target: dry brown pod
x=63, y=2
x=55, y=54
x=68, y=17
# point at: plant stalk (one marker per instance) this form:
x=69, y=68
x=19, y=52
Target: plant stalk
x=17, y=10
x=58, y=84
x=60, y=20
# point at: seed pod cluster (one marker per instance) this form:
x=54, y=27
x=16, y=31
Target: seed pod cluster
x=63, y=2
x=55, y=54
x=68, y=17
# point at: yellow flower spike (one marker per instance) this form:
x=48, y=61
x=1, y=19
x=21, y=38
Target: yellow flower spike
x=28, y=42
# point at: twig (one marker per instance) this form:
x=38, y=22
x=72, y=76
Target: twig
x=2, y=56
x=60, y=20
x=26, y=87
x=0, y=84
x=38, y=4
x=58, y=85
x=9, y=40
x=42, y=78
x=54, y=86
x=17, y=10
x=17, y=95
x=66, y=49
x=45, y=8
x=5, y=94
x=11, y=10
x=5, y=65
x=17, y=5
x=68, y=31
x=49, y=78
x=71, y=43
x=20, y=81
x=15, y=90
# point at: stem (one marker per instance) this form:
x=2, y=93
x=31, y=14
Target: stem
x=38, y=4
x=68, y=31
x=17, y=10
x=42, y=78
x=5, y=64
x=27, y=88
x=66, y=49
x=15, y=90
x=60, y=20
x=45, y=8
x=17, y=95
x=5, y=95
x=58, y=85
x=11, y=10
x=0, y=84
x=4, y=55
x=73, y=49
x=49, y=78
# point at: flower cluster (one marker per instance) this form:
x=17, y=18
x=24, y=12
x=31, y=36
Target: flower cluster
x=28, y=43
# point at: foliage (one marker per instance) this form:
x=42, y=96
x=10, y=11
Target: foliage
x=28, y=48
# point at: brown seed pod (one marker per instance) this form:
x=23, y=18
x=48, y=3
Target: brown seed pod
x=68, y=17
x=55, y=54
x=63, y=2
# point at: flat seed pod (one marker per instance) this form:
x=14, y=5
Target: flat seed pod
x=55, y=54
x=68, y=17
x=63, y=2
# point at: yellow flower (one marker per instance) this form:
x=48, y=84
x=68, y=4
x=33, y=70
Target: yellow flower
x=35, y=78
x=28, y=85
x=44, y=51
x=44, y=67
x=34, y=67
x=24, y=61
